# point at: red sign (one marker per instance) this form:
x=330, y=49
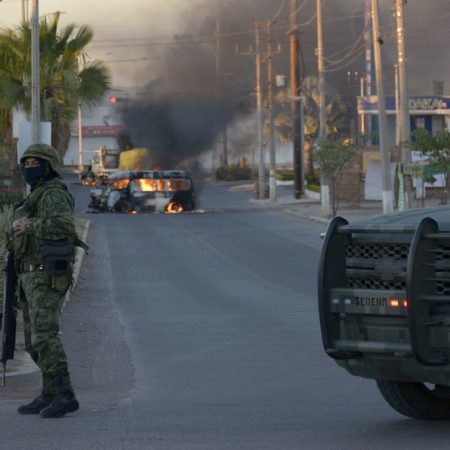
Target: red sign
x=102, y=130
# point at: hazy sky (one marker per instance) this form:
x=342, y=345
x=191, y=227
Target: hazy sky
x=129, y=33
x=103, y=15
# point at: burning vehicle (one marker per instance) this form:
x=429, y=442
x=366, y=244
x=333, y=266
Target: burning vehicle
x=170, y=191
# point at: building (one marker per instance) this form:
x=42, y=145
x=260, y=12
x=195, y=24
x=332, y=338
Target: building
x=429, y=112
x=100, y=127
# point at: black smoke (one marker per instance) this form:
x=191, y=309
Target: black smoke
x=186, y=104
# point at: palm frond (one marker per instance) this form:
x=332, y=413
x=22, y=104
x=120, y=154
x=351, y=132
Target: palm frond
x=95, y=80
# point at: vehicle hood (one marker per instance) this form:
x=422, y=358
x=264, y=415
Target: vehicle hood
x=410, y=218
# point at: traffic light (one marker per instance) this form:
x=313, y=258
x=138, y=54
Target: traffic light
x=113, y=99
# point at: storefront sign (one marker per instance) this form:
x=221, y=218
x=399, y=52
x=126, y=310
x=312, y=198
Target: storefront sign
x=431, y=103
x=428, y=103
x=102, y=130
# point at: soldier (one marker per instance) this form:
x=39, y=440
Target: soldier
x=42, y=237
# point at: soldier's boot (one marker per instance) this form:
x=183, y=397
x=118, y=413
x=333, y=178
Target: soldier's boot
x=42, y=401
x=64, y=402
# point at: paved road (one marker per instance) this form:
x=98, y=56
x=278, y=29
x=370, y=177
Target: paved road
x=200, y=331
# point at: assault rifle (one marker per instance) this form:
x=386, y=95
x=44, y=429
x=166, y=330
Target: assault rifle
x=8, y=314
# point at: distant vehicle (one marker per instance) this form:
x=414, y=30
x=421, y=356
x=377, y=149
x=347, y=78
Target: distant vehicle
x=104, y=163
x=138, y=191
x=384, y=305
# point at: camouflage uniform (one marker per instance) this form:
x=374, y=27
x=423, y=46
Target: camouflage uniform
x=50, y=216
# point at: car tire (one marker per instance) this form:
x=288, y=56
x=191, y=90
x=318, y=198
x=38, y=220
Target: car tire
x=414, y=400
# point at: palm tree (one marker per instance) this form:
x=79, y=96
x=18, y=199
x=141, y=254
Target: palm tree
x=67, y=77
x=336, y=116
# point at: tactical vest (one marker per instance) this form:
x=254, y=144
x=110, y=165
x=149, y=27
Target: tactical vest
x=26, y=247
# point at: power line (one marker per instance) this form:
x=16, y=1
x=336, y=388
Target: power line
x=299, y=9
x=357, y=55
x=275, y=17
x=348, y=50
x=210, y=38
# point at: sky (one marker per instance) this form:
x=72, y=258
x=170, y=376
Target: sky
x=162, y=55
x=133, y=36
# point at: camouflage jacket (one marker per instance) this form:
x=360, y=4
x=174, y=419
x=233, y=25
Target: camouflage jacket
x=50, y=213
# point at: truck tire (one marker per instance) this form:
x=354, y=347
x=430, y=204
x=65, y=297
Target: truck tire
x=414, y=400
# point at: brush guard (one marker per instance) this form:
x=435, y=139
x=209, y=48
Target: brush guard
x=428, y=342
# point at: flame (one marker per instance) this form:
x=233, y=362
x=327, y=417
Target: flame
x=121, y=184
x=146, y=185
x=89, y=183
x=178, y=184
x=160, y=184
x=174, y=208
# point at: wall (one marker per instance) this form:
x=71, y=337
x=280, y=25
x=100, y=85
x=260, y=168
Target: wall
x=350, y=185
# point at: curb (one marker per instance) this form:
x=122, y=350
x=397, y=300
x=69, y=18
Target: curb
x=319, y=219
x=323, y=220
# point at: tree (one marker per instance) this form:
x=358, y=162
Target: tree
x=337, y=115
x=437, y=149
x=333, y=154
x=67, y=77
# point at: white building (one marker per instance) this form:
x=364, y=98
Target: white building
x=100, y=128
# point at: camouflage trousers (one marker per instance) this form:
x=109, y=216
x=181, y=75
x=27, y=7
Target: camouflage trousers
x=41, y=305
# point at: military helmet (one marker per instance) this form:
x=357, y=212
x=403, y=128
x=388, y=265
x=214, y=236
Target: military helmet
x=46, y=152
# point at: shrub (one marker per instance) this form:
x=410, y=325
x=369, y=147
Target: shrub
x=285, y=174
x=234, y=172
x=313, y=187
x=10, y=197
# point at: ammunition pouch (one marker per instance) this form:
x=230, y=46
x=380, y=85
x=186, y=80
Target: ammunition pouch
x=57, y=256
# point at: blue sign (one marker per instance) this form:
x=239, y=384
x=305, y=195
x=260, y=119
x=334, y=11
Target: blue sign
x=423, y=103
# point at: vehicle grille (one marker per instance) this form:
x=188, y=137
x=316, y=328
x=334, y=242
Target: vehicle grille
x=442, y=255
x=377, y=266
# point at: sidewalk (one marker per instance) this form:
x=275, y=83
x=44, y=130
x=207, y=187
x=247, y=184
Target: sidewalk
x=310, y=208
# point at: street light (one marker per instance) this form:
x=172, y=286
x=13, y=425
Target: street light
x=35, y=82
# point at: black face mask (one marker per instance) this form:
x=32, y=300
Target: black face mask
x=34, y=174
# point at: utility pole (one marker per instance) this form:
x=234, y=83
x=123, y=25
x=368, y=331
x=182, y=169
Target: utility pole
x=368, y=41
x=403, y=99
x=296, y=104
x=220, y=125
x=35, y=82
x=217, y=69
x=273, y=163
x=398, y=128
x=362, y=120
x=325, y=188
x=259, y=114
x=80, y=143
x=388, y=196
x=22, y=10
x=256, y=53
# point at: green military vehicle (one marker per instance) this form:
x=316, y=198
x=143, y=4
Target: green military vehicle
x=384, y=304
